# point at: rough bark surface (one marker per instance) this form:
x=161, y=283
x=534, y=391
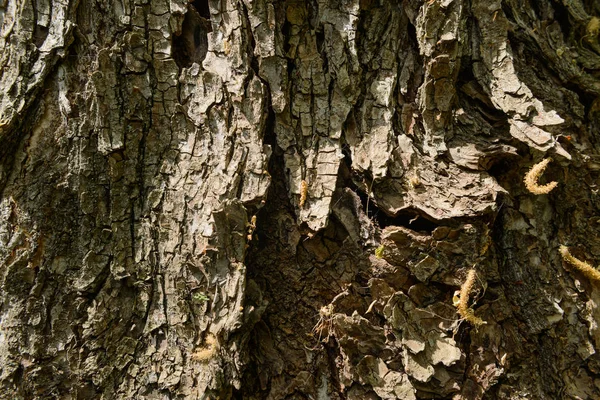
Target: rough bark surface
x=267, y=199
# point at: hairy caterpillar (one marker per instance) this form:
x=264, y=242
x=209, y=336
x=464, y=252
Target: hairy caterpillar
x=531, y=178
x=303, y=192
x=462, y=303
x=585, y=268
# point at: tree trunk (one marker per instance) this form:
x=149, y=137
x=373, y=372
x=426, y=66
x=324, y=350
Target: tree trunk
x=260, y=199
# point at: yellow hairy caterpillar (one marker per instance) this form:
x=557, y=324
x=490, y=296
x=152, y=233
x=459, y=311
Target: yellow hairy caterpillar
x=585, y=268
x=208, y=351
x=251, y=227
x=532, y=177
x=303, y=192
x=462, y=302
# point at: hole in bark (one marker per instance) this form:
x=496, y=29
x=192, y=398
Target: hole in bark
x=18, y=375
x=39, y=35
x=191, y=45
x=202, y=7
x=505, y=170
x=320, y=38
x=410, y=219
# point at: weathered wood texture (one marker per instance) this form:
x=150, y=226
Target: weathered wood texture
x=268, y=199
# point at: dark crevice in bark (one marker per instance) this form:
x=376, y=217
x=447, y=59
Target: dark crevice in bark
x=562, y=16
x=39, y=35
x=409, y=218
x=333, y=352
x=476, y=96
x=202, y=7
x=275, y=198
x=191, y=45
x=313, y=13
x=132, y=220
x=285, y=33
x=320, y=39
x=501, y=168
x=40, y=32
x=260, y=332
x=251, y=46
x=296, y=283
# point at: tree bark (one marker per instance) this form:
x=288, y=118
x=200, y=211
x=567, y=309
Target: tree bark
x=266, y=199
